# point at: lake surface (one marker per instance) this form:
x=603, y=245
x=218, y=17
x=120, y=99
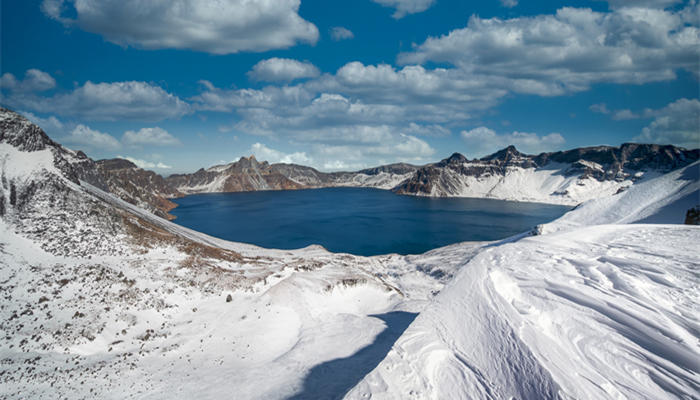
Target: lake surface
x=356, y=220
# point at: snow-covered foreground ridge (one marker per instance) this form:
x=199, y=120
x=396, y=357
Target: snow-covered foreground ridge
x=101, y=299
x=607, y=311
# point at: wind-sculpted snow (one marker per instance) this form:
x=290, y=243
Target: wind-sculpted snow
x=600, y=312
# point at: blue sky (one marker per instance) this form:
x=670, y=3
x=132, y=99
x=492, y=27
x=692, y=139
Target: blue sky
x=179, y=84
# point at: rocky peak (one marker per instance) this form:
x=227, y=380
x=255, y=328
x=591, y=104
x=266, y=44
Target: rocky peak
x=115, y=164
x=505, y=155
x=455, y=158
x=510, y=156
x=21, y=133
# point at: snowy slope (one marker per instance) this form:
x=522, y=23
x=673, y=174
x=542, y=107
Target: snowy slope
x=600, y=312
x=539, y=185
x=664, y=199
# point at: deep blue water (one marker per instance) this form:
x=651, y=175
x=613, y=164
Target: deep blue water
x=356, y=220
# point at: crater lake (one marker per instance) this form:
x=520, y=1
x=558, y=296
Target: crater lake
x=359, y=221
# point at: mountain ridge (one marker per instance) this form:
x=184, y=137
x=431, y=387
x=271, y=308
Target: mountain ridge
x=566, y=177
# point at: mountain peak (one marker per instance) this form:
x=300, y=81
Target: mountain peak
x=22, y=133
x=454, y=158
x=506, y=154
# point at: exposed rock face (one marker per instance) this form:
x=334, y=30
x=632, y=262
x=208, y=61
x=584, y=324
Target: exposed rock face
x=247, y=174
x=137, y=186
x=19, y=132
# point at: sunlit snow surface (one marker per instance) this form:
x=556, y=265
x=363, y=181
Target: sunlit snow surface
x=603, y=311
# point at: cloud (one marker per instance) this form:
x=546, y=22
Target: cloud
x=221, y=27
x=387, y=147
x=129, y=100
x=404, y=7
x=146, y=164
x=84, y=136
x=34, y=81
x=570, y=50
x=600, y=108
x=150, y=136
x=678, y=123
x=509, y=3
x=282, y=69
x=265, y=153
x=483, y=140
x=339, y=33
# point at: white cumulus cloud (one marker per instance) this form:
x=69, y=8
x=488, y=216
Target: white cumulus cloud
x=131, y=100
x=282, y=69
x=82, y=135
x=34, y=81
x=218, y=27
x=570, y=50
x=678, y=123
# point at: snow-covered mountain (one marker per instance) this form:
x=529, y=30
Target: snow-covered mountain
x=566, y=177
x=102, y=299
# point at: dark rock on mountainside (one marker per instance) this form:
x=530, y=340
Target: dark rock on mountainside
x=19, y=132
x=138, y=186
x=692, y=217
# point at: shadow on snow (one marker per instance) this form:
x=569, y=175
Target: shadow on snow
x=334, y=379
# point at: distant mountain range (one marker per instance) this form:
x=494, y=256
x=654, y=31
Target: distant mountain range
x=565, y=177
